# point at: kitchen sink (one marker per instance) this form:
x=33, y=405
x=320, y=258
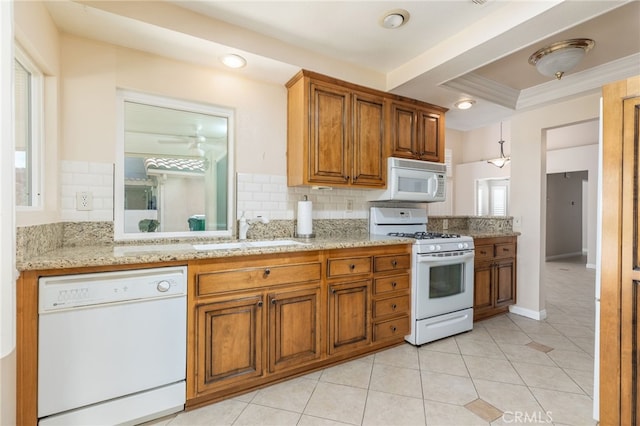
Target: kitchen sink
x=275, y=243
x=247, y=244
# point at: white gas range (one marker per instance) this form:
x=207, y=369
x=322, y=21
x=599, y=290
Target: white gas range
x=442, y=273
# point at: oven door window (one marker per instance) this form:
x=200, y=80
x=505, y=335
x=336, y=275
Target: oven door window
x=446, y=280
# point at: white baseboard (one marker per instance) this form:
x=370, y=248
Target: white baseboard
x=536, y=315
x=563, y=256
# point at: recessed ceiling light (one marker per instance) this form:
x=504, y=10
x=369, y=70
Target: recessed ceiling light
x=394, y=19
x=233, y=61
x=464, y=104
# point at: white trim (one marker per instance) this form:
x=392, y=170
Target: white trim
x=536, y=315
x=485, y=88
x=37, y=128
x=564, y=255
x=8, y=273
x=590, y=266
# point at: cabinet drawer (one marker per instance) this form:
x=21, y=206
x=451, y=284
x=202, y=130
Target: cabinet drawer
x=505, y=250
x=392, y=305
x=224, y=281
x=484, y=252
x=348, y=266
x=396, y=327
x=392, y=262
x=387, y=284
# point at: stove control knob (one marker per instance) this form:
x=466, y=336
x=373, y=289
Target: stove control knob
x=438, y=247
x=460, y=245
x=432, y=247
x=466, y=245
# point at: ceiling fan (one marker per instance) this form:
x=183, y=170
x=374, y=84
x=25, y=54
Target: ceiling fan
x=195, y=142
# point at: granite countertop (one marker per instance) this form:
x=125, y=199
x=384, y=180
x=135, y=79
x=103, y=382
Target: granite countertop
x=125, y=254
x=483, y=234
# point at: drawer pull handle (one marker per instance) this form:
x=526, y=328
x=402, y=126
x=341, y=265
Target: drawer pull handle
x=394, y=328
x=267, y=272
x=394, y=263
x=259, y=304
x=505, y=249
x=394, y=284
x=394, y=306
x=352, y=266
x=483, y=252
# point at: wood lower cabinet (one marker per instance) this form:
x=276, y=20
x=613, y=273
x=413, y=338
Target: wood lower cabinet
x=494, y=276
x=349, y=317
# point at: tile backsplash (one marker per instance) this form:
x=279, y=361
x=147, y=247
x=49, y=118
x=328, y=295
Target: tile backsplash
x=81, y=176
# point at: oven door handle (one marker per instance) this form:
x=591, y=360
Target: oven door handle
x=438, y=260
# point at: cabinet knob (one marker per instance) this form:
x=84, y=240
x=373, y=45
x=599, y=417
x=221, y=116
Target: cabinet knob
x=394, y=263
x=333, y=290
x=483, y=252
x=267, y=272
x=259, y=304
x=394, y=306
x=355, y=178
x=394, y=328
x=394, y=284
x=346, y=177
x=274, y=301
x=352, y=266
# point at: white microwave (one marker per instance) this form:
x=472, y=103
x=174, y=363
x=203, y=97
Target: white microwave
x=412, y=180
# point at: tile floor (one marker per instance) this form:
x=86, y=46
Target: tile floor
x=508, y=370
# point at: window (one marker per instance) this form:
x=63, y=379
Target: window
x=28, y=91
x=492, y=197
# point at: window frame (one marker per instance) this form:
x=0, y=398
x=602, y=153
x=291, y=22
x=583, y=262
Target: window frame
x=36, y=109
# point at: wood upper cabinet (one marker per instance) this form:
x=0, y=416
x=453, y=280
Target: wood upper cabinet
x=417, y=132
x=494, y=276
x=335, y=135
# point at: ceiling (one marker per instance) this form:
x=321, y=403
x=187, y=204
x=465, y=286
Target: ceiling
x=448, y=50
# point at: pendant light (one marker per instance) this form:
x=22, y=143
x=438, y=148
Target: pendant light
x=502, y=160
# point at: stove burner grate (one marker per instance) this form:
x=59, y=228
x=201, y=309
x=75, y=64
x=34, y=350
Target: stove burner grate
x=423, y=235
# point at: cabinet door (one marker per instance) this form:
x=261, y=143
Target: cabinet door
x=403, y=130
x=430, y=142
x=349, y=315
x=482, y=288
x=330, y=126
x=368, y=140
x=505, y=282
x=229, y=342
x=294, y=327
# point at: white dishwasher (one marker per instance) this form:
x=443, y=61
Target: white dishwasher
x=112, y=346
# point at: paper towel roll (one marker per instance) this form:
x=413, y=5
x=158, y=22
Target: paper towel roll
x=305, y=222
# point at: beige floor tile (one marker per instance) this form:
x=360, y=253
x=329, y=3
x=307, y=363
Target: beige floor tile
x=583, y=378
x=337, y=402
x=353, y=373
x=587, y=344
x=571, y=359
x=546, y=377
x=500, y=321
x=507, y=397
x=441, y=414
x=442, y=362
x=257, y=415
x=501, y=335
x=488, y=349
x=575, y=330
x=405, y=356
x=246, y=397
x=447, y=388
x=384, y=409
x=567, y=408
x=396, y=380
x=478, y=333
x=524, y=353
x=448, y=345
x=314, y=376
x=291, y=395
x=307, y=420
x=497, y=370
x=220, y=413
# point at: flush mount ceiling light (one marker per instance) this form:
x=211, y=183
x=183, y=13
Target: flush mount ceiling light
x=464, y=104
x=394, y=19
x=560, y=57
x=233, y=61
x=502, y=160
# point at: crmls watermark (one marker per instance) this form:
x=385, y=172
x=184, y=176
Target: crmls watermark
x=524, y=417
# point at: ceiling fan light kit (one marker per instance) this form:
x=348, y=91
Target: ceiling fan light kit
x=560, y=57
x=502, y=160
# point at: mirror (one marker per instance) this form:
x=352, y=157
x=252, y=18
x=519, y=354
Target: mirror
x=174, y=169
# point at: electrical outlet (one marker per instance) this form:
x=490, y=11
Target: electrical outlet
x=84, y=201
x=517, y=223
x=349, y=208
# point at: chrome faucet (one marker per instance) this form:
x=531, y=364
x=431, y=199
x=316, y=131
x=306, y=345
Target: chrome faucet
x=245, y=224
